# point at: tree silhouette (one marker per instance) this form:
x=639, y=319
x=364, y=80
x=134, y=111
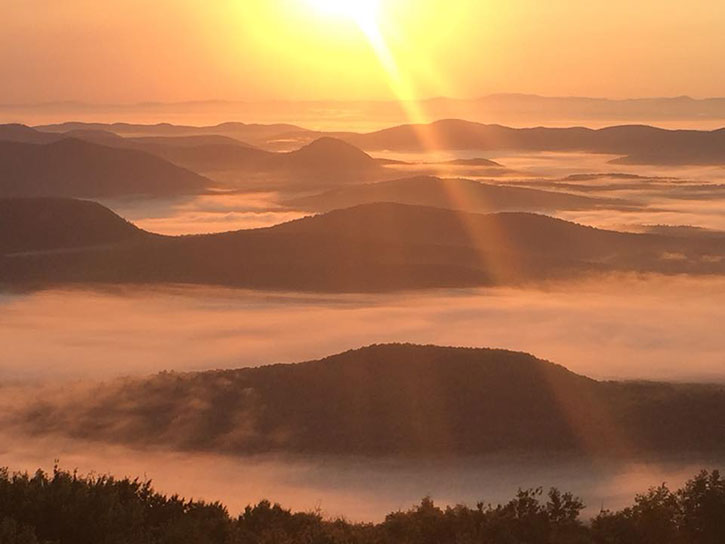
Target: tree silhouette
x=65, y=508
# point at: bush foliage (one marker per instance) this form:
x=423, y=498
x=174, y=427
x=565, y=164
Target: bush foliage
x=66, y=508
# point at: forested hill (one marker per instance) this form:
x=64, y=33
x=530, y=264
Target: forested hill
x=373, y=248
x=394, y=399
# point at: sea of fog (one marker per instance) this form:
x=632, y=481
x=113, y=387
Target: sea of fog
x=624, y=327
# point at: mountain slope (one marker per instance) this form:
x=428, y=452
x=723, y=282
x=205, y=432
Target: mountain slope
x=380, y=247
x=75, y=168
x=47, y=224
x=391, y=399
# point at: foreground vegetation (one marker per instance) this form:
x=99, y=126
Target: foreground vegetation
x=65, y=508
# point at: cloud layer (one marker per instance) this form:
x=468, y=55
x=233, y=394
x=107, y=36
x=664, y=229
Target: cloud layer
x=624, y=327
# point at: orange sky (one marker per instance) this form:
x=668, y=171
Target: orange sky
x=177, y=50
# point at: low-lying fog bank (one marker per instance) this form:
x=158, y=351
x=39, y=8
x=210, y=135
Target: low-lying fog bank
x=204, y=214
x=657, y=328
x=356, y=488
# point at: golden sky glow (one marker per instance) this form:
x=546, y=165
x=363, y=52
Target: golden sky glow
x=175, y=50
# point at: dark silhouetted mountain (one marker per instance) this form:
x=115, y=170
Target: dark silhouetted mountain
x=75, y=168
x=393, y=399
x=638, y=144
x=378, y=247
x=47, y=224
x=460, y=194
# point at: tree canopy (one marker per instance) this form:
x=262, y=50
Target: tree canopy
x=67, y=508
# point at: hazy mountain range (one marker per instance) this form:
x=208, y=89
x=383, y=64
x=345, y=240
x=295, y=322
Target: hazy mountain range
x=637, y=144
x=103, y=163
x=390, y=399
x=633, y=144
x=372, y=247
x=516, y=109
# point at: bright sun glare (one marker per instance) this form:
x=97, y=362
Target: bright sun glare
x=360, y=11
x=366, y=15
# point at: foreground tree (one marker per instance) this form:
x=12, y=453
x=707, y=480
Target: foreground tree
x=65, y=508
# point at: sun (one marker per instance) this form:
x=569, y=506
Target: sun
x=362, y=12
x=366, y=14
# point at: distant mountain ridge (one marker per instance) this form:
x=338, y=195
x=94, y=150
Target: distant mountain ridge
x=505, y=108
x=639, y=144
x=392, y=399
x=636, y=144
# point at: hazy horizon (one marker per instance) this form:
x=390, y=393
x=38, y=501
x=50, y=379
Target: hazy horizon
x=511, y=109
